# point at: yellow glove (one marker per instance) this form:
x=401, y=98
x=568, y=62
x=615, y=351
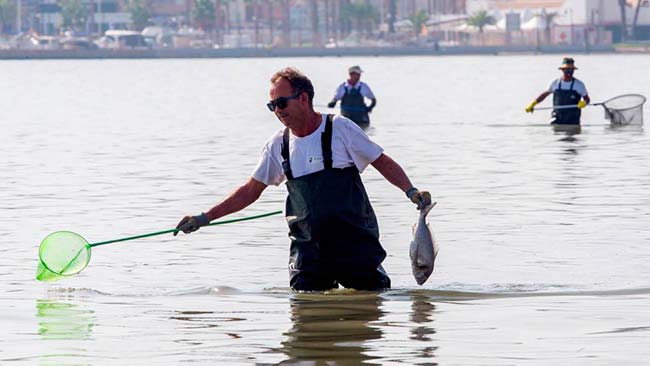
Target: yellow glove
x=531, y=106
x=582, y=104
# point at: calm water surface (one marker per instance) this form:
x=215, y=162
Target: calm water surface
x=544, y=235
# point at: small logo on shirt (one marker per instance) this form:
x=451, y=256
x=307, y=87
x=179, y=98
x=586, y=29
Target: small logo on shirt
x=315, y=159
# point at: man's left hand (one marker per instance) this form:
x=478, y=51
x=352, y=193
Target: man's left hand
x=582, y=104
x=420, y=198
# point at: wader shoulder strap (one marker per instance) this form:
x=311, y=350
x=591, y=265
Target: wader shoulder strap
x=286, y=165
x=326, y=142
x=571, y=86
x=559, y=84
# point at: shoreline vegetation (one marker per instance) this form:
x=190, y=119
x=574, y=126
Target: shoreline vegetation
x=30, y=54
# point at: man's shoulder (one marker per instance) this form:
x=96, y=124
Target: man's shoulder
x=339, y=121
x=345, y=125
x=275, y=139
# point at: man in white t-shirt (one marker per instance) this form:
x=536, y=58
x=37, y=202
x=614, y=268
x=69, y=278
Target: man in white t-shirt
x=351, y=94
x=332, y=226
x=567, y=91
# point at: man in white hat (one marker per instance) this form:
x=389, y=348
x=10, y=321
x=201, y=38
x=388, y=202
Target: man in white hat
x=567, y=91
x=351, y=93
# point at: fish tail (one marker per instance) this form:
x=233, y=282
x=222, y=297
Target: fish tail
x=425, y=211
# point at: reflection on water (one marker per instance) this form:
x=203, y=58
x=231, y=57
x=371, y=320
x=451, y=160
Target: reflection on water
x=332, y=329
x=60, y=320
x=422, y=309
x=568, y=130
x=67, y=322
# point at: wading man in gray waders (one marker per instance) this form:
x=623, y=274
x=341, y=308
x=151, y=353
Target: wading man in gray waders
x=351, y=94
x=566, y=90
x=332, y=226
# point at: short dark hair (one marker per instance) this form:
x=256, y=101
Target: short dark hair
x=298, y=81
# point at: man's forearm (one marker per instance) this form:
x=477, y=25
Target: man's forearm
x=393, y=172
x=542, y=96
x=238, y=200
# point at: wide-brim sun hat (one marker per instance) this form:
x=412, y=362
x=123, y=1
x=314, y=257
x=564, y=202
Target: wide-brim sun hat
x=356, y=69
x=568, y=63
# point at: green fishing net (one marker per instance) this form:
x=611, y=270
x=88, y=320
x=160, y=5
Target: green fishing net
x=62, y=253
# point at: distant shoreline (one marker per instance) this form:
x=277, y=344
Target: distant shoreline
x=18, y=54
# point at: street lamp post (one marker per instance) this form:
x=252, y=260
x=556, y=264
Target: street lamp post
x=19, y=16
x=570, y=11
x=99, y=17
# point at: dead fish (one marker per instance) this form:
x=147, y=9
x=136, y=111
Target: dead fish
x=424, y=248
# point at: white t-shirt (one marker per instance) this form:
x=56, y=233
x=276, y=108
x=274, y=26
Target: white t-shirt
x=578, y=86
x=350, y=147
x=364, y=90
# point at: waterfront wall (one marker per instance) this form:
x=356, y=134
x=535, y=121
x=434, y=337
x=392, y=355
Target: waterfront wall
x=17, y=54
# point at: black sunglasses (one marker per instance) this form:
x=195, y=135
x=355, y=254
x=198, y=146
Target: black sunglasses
x=281, y=102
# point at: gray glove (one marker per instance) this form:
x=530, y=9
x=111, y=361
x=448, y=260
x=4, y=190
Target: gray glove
x=420, y=198
x=331, y=104
x=191, y=223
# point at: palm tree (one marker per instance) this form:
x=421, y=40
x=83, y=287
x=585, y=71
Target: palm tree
x=327, y=22
x=392, y=15
x=269, y=5
x=286, y=22
x=418, y=19
x=480, y=19
x=256, y=19
x=362, y=15
x=549, y=20
x=7, y=13
x=345, y=24
x=623, y=4
x=73, y=13
x=313, y=9
x=139, y=14
x=636, y=18
x=203, y=15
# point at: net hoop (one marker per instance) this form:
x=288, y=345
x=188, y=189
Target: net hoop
x=625, y=109
x=610, y=103
x=43, y=248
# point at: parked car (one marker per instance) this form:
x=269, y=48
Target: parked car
x=122, y=39
x=78, y=44
x=46, y=42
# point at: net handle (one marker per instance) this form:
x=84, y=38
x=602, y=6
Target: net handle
x=174, y=229
x=569, y=106
x=601, y=103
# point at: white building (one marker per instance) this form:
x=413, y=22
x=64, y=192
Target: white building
x=579, y=14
